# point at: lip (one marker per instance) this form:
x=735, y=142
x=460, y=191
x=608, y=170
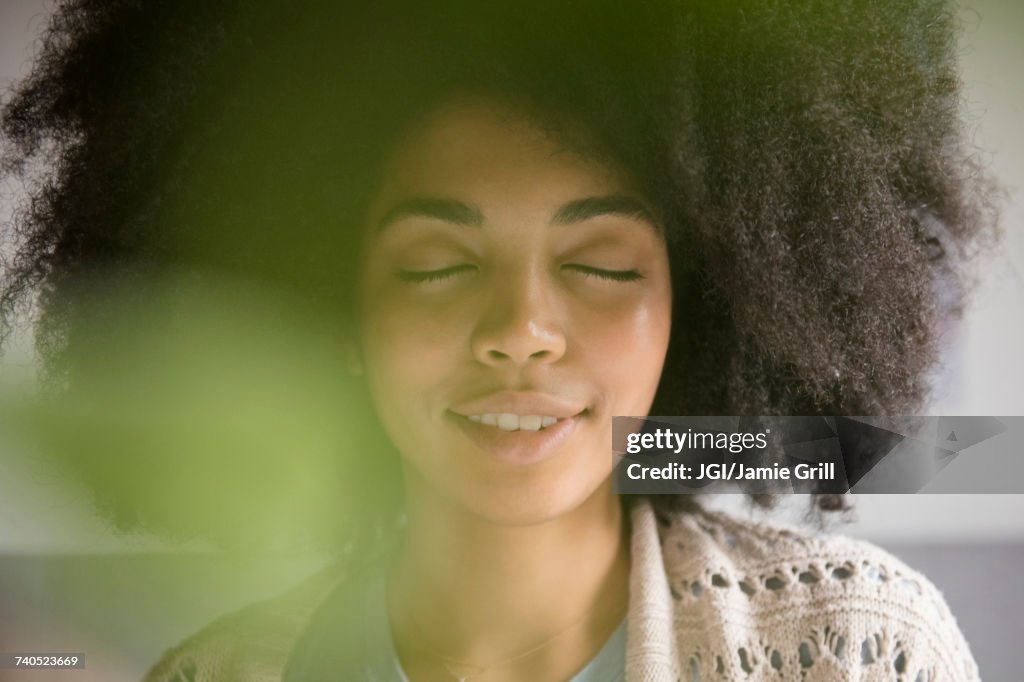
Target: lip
x=521, y=403
x=518, y=447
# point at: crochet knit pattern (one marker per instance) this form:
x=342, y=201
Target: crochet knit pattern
x=717, y=598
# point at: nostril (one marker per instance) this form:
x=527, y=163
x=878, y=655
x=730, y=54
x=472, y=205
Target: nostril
x=503, y=356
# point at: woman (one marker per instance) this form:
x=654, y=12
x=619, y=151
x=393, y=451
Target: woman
x=530, y=220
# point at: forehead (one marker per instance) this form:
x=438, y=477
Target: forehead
x=494, y=156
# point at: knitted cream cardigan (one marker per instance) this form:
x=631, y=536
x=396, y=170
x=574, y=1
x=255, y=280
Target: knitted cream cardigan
x=711, y=597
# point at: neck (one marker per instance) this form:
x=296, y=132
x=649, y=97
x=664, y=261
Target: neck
x=490, y=592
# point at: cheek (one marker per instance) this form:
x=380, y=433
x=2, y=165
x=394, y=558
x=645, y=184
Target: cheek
x=628, y=342
x=409, y=349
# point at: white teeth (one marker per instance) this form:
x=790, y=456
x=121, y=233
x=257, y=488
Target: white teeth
x=508, y=422
x=513, y=422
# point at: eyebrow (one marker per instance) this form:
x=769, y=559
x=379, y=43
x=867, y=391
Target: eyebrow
x=447, y=210
x=593, y=207
x=459, y=213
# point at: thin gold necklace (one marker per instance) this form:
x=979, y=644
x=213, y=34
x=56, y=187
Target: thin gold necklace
x=466, y=671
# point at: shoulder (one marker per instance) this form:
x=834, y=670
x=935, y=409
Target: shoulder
x=785, y=600
x=251, y=644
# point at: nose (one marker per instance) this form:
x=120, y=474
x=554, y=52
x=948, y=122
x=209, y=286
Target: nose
x=521, y=325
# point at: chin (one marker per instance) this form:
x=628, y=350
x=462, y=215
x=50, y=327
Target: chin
x=522, y=504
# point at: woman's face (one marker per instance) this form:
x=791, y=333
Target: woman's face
x=515, y=297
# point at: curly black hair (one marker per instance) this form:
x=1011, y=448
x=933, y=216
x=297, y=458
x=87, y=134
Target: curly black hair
x=803, y=155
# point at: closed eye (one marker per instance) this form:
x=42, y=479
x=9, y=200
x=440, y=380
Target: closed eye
x=600, y=273
x=421, y=276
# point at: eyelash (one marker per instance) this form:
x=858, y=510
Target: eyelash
x=612, y=275
x=427, y=276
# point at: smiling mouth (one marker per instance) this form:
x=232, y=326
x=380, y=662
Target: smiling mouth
x=518, y=439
